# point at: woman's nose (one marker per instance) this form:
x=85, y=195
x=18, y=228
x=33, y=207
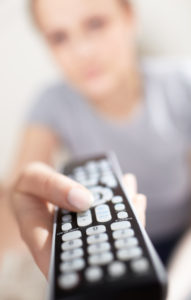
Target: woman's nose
x=83, y=48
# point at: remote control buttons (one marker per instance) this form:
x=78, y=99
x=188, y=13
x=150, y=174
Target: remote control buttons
x=73, y=265
x=119, y=207
x=116, y=269
x=101, y=195
x=101, y=258
x=121, y=234
x=103, y=213
x=91, y=167
x=67, y=218
x=126, y=243
x=84, y=218
x=66, y=226
x=71, y=235
x=117, y=199
x=140, y=266
x=122, y=215
x=97, y=238
x=109, y=180
x=71, y=254
x=72, y=244
x=98, y=248
x=68, y=281
x=120, y=225
x=93, y=274
x=132, y=253
x=96, y=230
x=104, y=165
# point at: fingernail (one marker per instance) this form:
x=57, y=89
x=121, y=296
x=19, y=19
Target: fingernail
x=80, y=199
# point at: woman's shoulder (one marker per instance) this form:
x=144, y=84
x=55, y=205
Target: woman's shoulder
x=53, y=103
x=59, y=91
x=166, y=68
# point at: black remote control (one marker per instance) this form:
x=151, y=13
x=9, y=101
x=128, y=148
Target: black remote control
x=103, y=253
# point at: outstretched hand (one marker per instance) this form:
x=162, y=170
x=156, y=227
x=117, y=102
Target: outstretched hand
x=36, y=192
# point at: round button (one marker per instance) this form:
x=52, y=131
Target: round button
x=68, y=281
x=122, y=215
x=66, y=226
x=116, y=269
x=117, y=199
x=119, y=207
x=93, y=274
x=66, y=218
x=140, y=266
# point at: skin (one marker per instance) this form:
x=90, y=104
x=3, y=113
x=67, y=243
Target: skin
x=79, y=34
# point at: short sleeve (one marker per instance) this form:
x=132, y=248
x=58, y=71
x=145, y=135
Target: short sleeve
x=52, y=110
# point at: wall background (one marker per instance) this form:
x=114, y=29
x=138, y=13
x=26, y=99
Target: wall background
x=26, y=66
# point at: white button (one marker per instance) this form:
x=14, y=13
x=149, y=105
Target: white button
x=93, y=274
x=121, y=234
x=68, y=281
x=95, y=229
x=126, y=243
x=71, y=235
x=72, y=244
x=73, y=265
x=119, y=207
x=120, y=225
x=117, y=199
x=104, y=164
x=84, y=218
x=126, y=254
x=71, y=254
x=91, y=166
x=80, y=177
x=97, y=238
x=116, y=269
x=103, y=213
x=66, y=218
x=109, y=180
x=90, y=182
x=122, y=215
x=95, y=176
x=101, y=195
x=101, y=258
x=79, y=171
x=140, y=266
x=66, y=226
x=98, y=248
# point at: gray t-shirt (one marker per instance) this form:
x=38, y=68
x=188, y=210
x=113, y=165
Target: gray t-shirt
x=153, y=143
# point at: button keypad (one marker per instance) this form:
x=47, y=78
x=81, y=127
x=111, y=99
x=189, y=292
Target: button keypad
x=97, y=248
x=101, y=258
x=105, y=229
x=84, y=218
x=103, y=213
x=95, y=230
x=71, y=244
x=97, y=238
x=71, y=235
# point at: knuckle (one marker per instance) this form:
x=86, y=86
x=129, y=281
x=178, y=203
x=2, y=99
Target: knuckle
x=47, y=182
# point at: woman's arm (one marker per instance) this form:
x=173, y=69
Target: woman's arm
x=35, y=187
x=38, y=144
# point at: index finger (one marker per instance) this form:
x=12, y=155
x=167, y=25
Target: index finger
x=42, y=181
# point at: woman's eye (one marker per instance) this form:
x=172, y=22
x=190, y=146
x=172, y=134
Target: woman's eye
x=58, y=38
x=96, y=23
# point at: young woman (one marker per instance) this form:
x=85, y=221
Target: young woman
x=108, y=100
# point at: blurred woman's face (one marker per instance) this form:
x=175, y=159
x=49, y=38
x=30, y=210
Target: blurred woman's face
x=92, y=41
